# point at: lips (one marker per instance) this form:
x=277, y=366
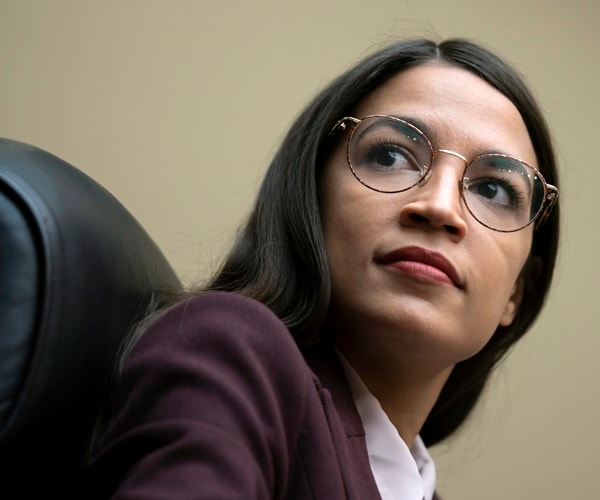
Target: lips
x=423, y=263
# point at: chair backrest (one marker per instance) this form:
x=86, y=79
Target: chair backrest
x=76, y=272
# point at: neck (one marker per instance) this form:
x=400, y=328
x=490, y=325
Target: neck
x=408, y=405
x=406, y=394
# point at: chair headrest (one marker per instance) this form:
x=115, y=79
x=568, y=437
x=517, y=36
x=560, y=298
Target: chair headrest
x=76, y=271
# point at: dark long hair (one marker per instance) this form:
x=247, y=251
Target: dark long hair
x=279, y=256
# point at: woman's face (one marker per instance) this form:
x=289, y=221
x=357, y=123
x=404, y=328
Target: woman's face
x=414, y=275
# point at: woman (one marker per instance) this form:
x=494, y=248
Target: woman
x=403, y=239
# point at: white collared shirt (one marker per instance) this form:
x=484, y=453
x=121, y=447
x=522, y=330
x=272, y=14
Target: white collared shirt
x=400, y=473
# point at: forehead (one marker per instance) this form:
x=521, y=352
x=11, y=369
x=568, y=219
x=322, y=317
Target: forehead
x=461, y=109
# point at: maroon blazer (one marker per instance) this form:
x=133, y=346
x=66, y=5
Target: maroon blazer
x=219, y=403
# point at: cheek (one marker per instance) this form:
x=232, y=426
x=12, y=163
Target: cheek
x=351, y=218
x=346, y=234
x=340, y=217
x=497, y=279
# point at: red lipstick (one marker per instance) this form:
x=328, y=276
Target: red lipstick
x=422, y=263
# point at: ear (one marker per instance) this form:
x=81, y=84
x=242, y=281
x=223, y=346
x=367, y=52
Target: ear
x=512, y=306
x=529, y=275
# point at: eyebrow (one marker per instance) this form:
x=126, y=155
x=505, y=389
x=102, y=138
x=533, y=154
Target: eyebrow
x=422, y=126
x=432, y=136
x=388, y=121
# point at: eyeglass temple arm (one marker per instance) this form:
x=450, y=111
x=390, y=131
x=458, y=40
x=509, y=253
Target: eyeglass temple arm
x=550, y=200
x=341, y=123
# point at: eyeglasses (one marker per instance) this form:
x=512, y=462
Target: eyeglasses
x=390, y=155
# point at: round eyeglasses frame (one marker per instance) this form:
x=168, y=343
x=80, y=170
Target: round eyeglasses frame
x=550, y=196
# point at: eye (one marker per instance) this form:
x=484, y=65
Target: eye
x=496, y=191
x=385, y=156
x=389, y=156
x=499, y=183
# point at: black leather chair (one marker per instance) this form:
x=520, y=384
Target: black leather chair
x=76, y=272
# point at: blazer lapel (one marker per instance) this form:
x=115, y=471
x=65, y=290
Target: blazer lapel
x=344, y=422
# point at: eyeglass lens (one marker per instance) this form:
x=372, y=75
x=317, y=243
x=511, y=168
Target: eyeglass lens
x=390, y=155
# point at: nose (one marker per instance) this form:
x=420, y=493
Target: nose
x=437, y=201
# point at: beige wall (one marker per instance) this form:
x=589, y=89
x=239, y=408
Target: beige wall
x=176, y=107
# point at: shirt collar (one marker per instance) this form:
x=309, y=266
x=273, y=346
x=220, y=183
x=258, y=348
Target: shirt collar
x=400, y=472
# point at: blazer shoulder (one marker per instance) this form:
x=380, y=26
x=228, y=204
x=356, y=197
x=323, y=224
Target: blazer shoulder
x=223, y=324
x=216, y=395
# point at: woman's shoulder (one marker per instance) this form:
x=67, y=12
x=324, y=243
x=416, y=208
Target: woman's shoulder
x=217, y=312
x=219, y=376
x=223, y=324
